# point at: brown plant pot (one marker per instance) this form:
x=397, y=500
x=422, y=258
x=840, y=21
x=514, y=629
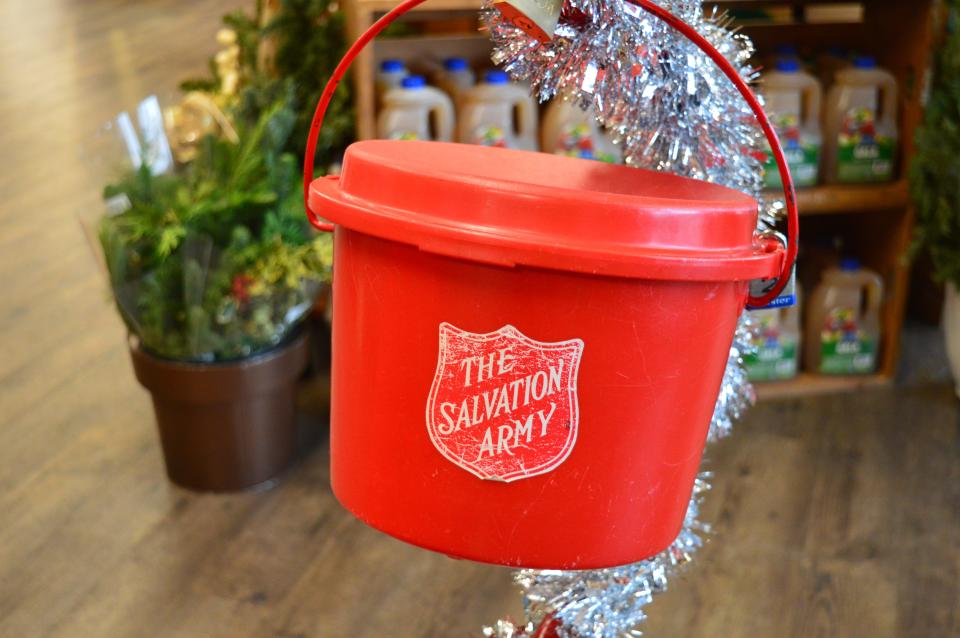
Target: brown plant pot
x=225, y=426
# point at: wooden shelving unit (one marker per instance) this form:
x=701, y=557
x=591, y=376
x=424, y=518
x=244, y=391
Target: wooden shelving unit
x=806, y=384
x=828, y=200
x=456, y=14
x=874, y=221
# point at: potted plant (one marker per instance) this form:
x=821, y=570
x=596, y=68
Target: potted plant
x=213, y=269
x=935, y=180
x=285, y=49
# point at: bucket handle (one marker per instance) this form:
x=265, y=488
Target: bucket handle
x=728, y=69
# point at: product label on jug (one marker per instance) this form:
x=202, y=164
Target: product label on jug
x=577, y=141
x=502, y=405
x=490, y=136
x=774, y=355
x=844, y=348
x=863, y=155
x=802, y=155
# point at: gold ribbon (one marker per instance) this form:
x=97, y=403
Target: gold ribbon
x=197, y=115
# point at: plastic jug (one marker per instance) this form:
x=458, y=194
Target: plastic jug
x=783, y=51
x=793, y=99
x=572, y=131
x=498, y=113
x=389, y=76
x=455, y=78
x=843, y=321
x=415, y=111
x=860, y=124
x=775, y=337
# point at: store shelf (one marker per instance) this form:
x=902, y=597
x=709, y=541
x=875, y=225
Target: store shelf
x=432, y=49
x=809, y=384
x=865, y=198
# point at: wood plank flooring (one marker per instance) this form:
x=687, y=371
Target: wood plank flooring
x=835, y=516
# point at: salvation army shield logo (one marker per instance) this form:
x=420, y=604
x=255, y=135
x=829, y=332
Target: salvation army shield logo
x=502, y=405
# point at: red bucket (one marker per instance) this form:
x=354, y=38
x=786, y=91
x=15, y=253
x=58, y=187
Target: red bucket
x=527, y=349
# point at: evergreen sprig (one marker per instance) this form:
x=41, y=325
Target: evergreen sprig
x=309, y=36
x=935, y=170
x=217, y=262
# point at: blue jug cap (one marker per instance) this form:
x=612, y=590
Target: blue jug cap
x=496, y=76
x=787, y=65
x=849, y=264
x=455, y=64
x=413, y=82
x=392, y=66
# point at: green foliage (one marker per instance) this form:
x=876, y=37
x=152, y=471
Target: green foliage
x=310, y=40
x=217, y=261
x=935, y=171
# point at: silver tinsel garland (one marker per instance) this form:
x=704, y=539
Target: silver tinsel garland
x=663, y=99
x=672, y=110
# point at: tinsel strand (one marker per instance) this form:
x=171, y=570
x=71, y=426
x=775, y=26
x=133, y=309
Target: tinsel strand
x=672, y=110
x=661, y=97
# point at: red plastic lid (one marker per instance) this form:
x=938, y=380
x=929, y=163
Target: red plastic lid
x=515, y=207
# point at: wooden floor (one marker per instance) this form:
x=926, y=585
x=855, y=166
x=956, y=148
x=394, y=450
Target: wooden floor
x=834, y=517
